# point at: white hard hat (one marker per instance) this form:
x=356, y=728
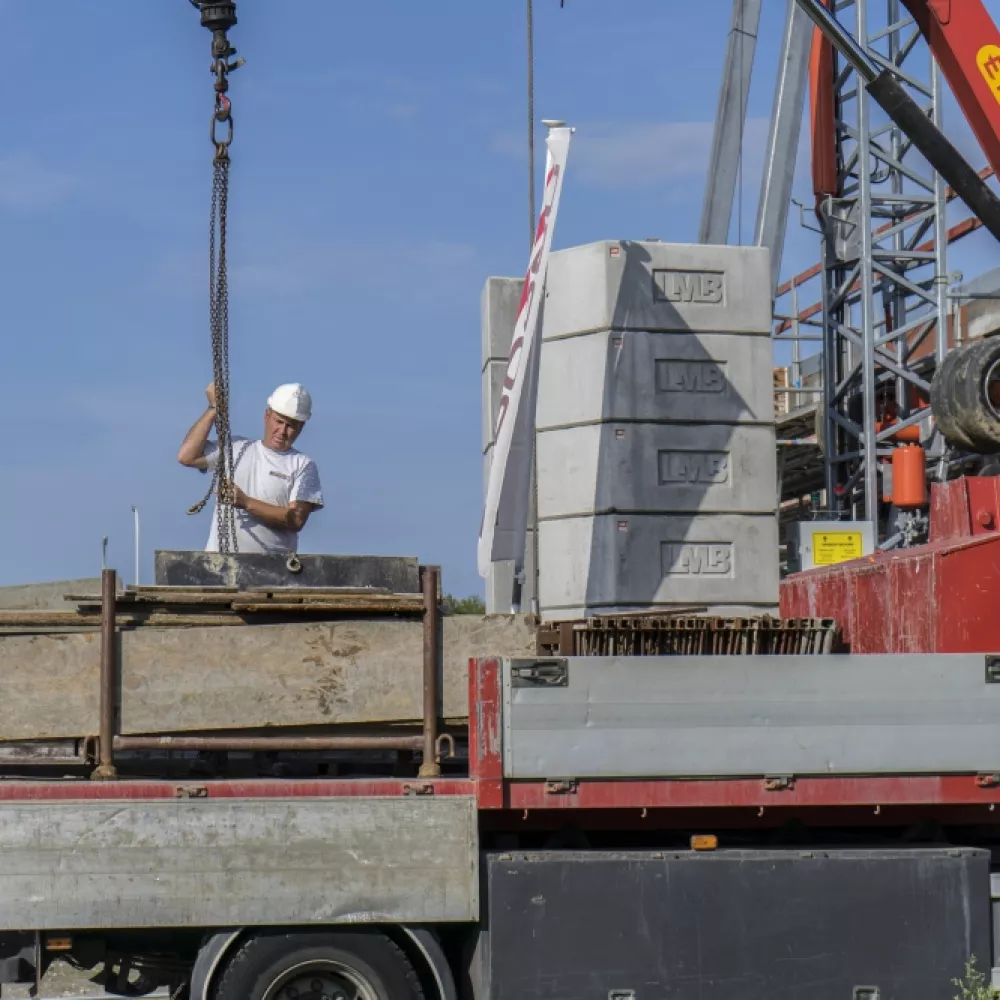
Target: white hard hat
x=292, y=401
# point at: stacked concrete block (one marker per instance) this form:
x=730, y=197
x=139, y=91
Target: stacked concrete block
x=500, y=300
x=656, y=455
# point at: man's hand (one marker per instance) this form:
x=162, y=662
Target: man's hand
x=290, y=518
x=231, y=494
x=192, y=453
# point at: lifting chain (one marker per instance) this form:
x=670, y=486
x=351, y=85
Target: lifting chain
x=219, y=17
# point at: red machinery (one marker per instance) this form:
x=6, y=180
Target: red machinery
x=940, y=597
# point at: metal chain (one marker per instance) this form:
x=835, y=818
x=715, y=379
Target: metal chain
x=218, y=290
x=219, y=16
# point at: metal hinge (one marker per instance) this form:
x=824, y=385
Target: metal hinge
x=561, y=787
x=191, y=792
x=993, y=669
x=539, y=673
x=421, y=788
x=779, y=783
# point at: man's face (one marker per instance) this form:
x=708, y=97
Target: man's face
x=280, y=432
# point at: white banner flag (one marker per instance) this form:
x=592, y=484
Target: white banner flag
x=503, y=530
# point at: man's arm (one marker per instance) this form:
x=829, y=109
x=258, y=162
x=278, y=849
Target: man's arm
x=192, y=453
x=292, y=517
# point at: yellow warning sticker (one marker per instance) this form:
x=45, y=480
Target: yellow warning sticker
x=988, y=61
x=831, y=547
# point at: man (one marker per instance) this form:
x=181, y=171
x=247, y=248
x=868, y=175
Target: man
x=275, y=487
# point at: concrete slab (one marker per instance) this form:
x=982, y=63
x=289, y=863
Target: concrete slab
x=46, y=596
x=179, y=568
x=621, y=285
x=642, y=560
x=253, y=676
x=493, y=376
x=499, y=303
x=719, y=378
x=657, y=468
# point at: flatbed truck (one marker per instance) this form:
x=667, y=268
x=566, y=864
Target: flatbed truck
x=718, y=827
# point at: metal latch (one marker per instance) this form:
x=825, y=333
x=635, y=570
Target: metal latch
x=421, y=788
x=988, y=780
x=993, y=669
x=191, y=792
x=560, y=787
x=539, y=673
x=779, y=783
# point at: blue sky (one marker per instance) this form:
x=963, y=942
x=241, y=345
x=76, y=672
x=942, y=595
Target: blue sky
x=379, y=177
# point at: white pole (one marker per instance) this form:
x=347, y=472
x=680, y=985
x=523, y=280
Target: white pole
x=135, y=518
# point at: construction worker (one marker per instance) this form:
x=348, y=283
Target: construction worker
x=276, y=488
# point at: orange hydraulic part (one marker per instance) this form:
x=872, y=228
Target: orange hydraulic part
x=821, y=115
x=909, y=478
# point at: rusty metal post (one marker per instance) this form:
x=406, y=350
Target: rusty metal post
x=105, y=770
x=431, y=580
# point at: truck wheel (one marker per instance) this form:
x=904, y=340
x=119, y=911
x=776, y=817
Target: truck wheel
x=977, y=394
x=965, y=396
x=319, y=965
x=944, y=404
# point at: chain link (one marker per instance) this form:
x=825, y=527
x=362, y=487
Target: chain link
x=218, y=298
x=219, y=324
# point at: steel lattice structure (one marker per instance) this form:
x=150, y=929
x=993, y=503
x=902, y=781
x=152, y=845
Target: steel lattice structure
x=884, y=247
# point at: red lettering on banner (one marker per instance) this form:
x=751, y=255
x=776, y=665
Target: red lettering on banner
x=527, y=296
x=515, y=350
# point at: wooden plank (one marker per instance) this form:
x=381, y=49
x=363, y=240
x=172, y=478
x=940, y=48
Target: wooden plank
x=62, y=619
x=206, y=678
x=45, y=618
x=259, y=597
x=320, y=591
x=342, y=607
x=190, y=589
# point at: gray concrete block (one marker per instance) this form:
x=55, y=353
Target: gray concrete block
x=246, y=677
x=499, y=580
x=487, y=464
x=499, y=587
x=493, y=376
x=399, y=574
x=639, y=560
x=498, y=304
x=658, y=286
x=657, y=468
x=724, y=378
x=46, y=596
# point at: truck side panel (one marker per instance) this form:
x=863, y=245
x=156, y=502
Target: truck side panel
x=719, y=716
x=732, y=925
x=223, y=863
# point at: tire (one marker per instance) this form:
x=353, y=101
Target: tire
x=356, y=963
x=978, y=414
x=943, y=401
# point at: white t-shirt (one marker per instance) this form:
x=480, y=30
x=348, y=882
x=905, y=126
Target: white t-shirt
x=279, y=478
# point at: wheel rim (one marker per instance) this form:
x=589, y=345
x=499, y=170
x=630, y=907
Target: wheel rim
x=991, y=388
x=321, y=980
